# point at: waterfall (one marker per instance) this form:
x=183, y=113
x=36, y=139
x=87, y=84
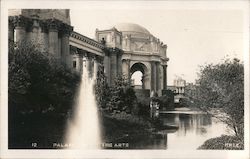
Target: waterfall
x=84, y=130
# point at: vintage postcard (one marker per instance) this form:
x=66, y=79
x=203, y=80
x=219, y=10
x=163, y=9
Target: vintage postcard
x=124, y=79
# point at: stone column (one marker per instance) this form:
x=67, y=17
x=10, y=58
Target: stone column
x=160, y=77
x=53, y=38
x=157, y=81
x=65, y=44
x=96, y=65
x=119, y=63
x=11, y=30
x=75, y=63
x=164, y=77
x=126, y=68
x=129, y=74
x=33, y=31
x=20, y=29
x=147, y=79
x=106, y=63
x=84, y=63
x=78, y=60
x=153, y=76
x=44, y=40
x=113, y=64
x=88, y=64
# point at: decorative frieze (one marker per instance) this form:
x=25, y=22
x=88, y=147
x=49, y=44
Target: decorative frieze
x=87, y=40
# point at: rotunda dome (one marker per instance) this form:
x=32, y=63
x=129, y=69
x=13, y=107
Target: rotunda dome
x=131, y=28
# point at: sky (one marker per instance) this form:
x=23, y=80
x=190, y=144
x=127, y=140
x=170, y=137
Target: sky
x=194, y=37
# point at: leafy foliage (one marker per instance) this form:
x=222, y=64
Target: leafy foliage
x=221, y=87
x=102, y=90
x=166, y=102
x=38, y=82
x=117, y=97
x=223, y=142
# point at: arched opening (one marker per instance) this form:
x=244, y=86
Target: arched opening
x=136, y=80
x=138, y=71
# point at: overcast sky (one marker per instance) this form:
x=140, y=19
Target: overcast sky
x=194, y=36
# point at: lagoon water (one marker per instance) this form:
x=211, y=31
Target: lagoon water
x=194, y=129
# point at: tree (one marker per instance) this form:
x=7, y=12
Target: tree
x=117, y=93
x=221, y=87
x=117, y=97
x=130, y=99
x=38, y=82
x=102, y=90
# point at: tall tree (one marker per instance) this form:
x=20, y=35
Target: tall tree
x=221, y=87
x=117, y=97
x=38, y=82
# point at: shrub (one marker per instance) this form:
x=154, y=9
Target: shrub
x=223, y=142
x=38, y=82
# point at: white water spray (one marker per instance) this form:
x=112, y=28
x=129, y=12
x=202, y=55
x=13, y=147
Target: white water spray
x=84, y=131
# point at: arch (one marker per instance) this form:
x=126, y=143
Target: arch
x=138, y=66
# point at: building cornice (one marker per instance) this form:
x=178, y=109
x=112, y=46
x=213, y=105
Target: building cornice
x=86, y=40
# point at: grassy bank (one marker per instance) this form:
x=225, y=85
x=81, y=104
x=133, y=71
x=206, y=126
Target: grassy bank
x=223, y=142
x=117, y=126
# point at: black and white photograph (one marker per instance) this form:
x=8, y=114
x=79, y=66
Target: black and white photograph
x=119, y=79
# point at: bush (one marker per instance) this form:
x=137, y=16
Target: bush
x=166, y=102
x=117, y=97
x=41, y=93
x=38, y=82
x=223, y=143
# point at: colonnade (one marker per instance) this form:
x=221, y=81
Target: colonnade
x=158, y=83
x=92, y=64
x=47, y=35
x=82, y=58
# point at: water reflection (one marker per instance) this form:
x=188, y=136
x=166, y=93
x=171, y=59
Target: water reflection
x=188, y=122
x=193, y=130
